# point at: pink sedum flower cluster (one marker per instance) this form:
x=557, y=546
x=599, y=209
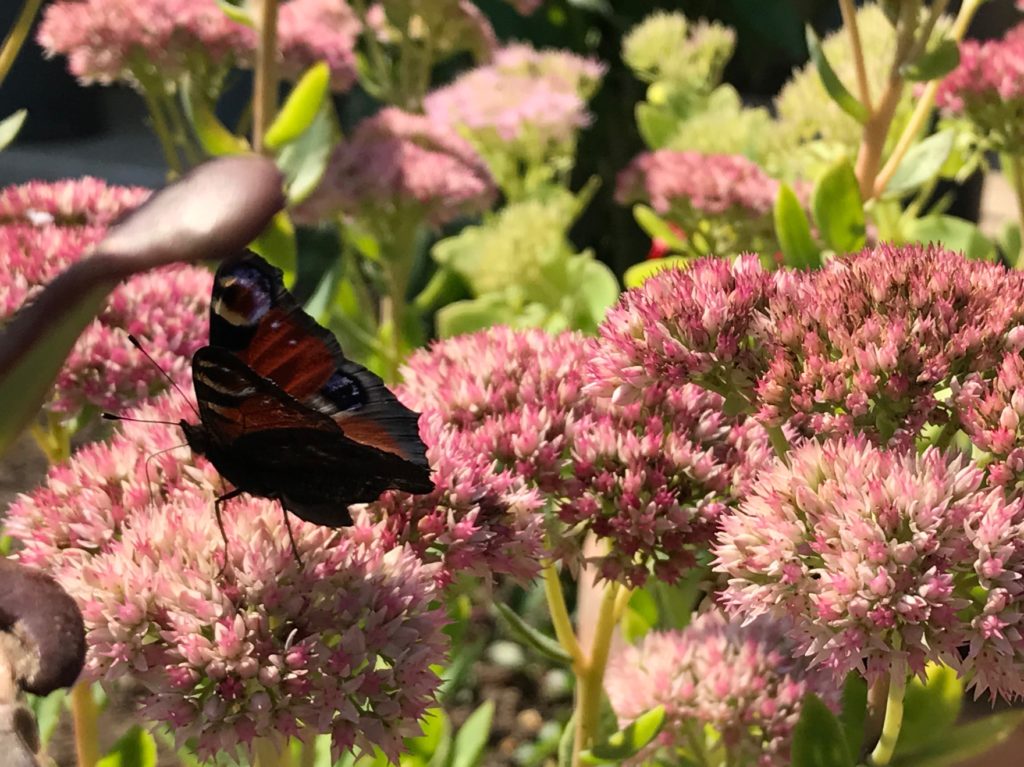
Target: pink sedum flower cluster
x=988, y=87
x=722, y=202
x=524, y=97
x=741, y=679
x=110, y=40
x=865, y=345
x=882, y=557
x=44, y=228
x=508, y=410
x=396, y=159
x=714, y=184
x=239, y=642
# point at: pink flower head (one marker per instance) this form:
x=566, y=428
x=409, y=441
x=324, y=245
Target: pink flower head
x=873, y=554
x=866, y=344
x=310, y=31
x=526, y=7
x=506, y=419
x=711, y=184
x=233, y=642
x=989, y=406
x=707, y=324
x=744, y=680
x=988, y=87
x=50, y=226
x=108, y=40
x=398, y=158
x=528, y=97
x=726, y=198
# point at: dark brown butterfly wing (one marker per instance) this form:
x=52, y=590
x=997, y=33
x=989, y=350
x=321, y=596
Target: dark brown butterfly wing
x=257, y=320
x=267, y=443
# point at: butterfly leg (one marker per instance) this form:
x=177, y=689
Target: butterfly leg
x=220, y=522
x=291, y=536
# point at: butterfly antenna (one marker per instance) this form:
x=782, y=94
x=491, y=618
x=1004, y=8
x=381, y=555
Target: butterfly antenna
x=116, y=417
x=135, y=342
x=291, y=536
x=149, y=460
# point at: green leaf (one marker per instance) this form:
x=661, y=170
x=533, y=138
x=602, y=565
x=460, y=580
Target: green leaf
x=921, y=164
x=953, y=233
x=471, y=738
x=628, y=741
x=641, y=615
x=10, y=126
x=938, y=61
x=638, y=274
x=1010, y=244
x=929, y=707
x=304, y=160
x=855, y=703
x=597, y=288
x=434, y=745
x=818, y=740
x=300, y=108
x=277, y=245
x=215, y=139
x=831, y=82
x=657, y=228
x=136, y=748
x=793, y=231
x=957, y=744
x=540, y=642
x=657, y=124
x=237, y=13
x=565, y=743
x=838, y=208
x=474, y=314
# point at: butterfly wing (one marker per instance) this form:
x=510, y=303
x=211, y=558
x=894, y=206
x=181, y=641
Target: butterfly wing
x=254, y=317
x=267, y=443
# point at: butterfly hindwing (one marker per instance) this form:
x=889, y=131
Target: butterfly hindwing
x=254, y=317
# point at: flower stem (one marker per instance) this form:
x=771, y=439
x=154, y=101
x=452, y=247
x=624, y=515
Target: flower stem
x=886, y=745
x=150, y=94
x=17, y=36
x=264, y=87
x=560, y=617
x=590, y=683
x=85, y=715
x=1016, y=173
x=923, y=108
x=850, y=22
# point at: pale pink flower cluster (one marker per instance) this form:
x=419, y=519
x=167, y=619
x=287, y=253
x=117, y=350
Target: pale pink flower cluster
x=526, y=7
x=691, y=183
x=238, y=642
x=506, y=409
x=990, y=409
x=865, y=345
x=988, y=87
x=44, y=228
x=396, y=159
x=882, y=557
x=108, y=40
x=525, y=96
x=744, y=680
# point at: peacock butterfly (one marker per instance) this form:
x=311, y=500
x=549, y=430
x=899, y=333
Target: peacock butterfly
x=285, y=415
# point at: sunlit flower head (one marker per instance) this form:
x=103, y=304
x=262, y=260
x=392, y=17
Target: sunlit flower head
x=868, y=344
x=121, y=40
x=744, y=682
x=233, y=641
x=988, y=87
x=51, y=226
x=397, y=159
x=668, y=47
x=881, y=557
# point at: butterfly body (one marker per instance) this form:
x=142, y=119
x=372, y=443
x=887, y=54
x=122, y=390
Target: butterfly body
x=285, y=415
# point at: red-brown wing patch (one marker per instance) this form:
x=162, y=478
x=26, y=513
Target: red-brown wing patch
x=286, y=353
x=368, y=432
